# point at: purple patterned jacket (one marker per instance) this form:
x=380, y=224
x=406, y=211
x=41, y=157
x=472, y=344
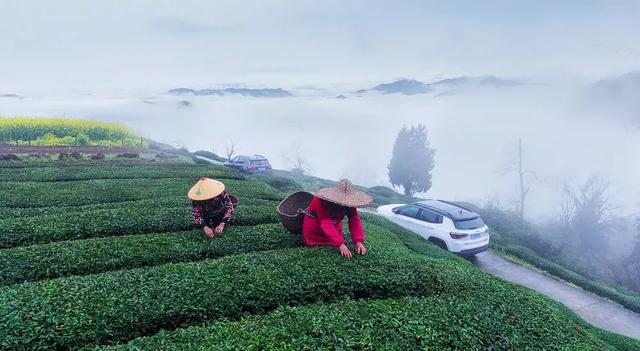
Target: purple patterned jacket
x=212, y=212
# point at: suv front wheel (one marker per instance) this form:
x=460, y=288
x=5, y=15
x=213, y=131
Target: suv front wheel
x=439, y=243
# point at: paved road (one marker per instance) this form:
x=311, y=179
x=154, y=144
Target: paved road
x=213, y=162
x=592, y=308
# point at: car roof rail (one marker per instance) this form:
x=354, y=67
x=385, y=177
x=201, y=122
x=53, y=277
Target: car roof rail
x=457, y=205
x=436, y=210
x=454, y=216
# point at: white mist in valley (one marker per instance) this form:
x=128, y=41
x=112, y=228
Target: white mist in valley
x=91, y=59
x=474, y=132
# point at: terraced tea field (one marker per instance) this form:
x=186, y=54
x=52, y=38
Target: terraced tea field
x=105, y=256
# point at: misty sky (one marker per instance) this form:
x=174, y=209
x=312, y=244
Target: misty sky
x=88, y=46
x=115, y=60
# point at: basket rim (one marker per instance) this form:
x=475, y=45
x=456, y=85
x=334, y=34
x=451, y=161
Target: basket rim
x=285, y=199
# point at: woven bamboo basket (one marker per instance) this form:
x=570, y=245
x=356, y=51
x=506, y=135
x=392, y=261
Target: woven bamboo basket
x=234, y=201
x=291, y=210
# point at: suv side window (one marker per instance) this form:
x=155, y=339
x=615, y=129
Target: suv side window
x=410, y=211
x=430, y=217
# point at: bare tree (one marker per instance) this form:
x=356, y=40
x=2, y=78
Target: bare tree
x=523, y=191
x=516, y=165
x=230, y=149
x=589, y=214
x=296, y=159
x=627, y=275
x=567, y=206
x=592, y=196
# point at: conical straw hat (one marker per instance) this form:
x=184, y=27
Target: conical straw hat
x=344, y=194
x=205, y=189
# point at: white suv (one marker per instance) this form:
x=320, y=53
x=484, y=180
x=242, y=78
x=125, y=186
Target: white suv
x=443, y=223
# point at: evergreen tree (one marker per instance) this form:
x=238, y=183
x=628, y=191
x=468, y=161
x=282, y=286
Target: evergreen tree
x=412, y=160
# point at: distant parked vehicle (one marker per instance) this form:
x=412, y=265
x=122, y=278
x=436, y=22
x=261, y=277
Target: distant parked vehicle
x=254, y=164
x=450, y=226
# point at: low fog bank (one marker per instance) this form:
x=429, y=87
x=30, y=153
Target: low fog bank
x=475, y=135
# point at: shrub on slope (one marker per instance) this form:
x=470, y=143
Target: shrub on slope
x=77, y=193
x=469, y=322
x=520, y=238
x=68, y=173
x=99, y=255
x=121, y=221
x=153, y=203
x=119, y=306
x=630, y=301
x=46, y=162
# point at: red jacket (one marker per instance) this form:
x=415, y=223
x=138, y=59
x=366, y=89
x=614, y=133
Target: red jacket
x=323, y=225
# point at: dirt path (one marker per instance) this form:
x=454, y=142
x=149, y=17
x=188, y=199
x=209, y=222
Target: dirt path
x=594, y=309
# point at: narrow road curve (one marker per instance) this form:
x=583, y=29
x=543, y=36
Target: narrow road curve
x=213, y=162
x=594, y=309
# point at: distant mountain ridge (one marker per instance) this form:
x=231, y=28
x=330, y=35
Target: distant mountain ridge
x=617, y=97
x=258, y=93
x=403, y=86
x=443, y=87
x=13, y=96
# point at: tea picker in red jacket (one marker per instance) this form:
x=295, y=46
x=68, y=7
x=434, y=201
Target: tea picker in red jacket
x=212, y=207
x=322, y=224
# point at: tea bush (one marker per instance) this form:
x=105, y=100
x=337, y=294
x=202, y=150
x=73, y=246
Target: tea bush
x=222, y=292
x=283, y=183
x=120, y=221
x=119, y=306
x=128, y=155
x=85, y=192
x=10, y=157
x=468, y=322
x=82, y=257
x=153, y=203
x=60, y=173
x=49, y=162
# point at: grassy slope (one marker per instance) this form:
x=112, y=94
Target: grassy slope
x=506, y=229
x=427, y=297
x=433, y=323
x=509, y=231
x=82, y=257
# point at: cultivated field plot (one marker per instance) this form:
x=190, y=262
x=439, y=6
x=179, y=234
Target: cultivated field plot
x=104, y=256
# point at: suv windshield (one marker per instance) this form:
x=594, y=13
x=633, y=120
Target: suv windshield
x=473, y=223
x=259, y=162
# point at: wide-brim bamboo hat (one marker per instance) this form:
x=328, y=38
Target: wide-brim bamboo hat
x=344, y=194
x=205, y=189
